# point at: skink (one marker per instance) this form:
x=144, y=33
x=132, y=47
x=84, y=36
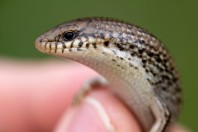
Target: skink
x=134, y=62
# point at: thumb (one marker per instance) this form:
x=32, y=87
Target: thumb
x=99, y=111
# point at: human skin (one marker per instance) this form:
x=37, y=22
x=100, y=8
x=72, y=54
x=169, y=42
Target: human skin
x=36, y=96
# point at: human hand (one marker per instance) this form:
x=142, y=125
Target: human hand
x=36, y=96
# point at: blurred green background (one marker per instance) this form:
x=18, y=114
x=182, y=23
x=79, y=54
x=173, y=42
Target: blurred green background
x=174, y=22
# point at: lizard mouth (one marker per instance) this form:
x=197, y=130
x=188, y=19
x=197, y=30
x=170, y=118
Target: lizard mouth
x=46, y=46
x=58, y=47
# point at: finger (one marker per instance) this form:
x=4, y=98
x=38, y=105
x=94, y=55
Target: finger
x=100, y=111
x=35, y=94
x=178, y=128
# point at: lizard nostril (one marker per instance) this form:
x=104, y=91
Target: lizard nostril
x=38, y=44
x=40, y=40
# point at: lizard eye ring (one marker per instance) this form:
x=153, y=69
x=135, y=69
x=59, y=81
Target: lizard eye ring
x=69, y=35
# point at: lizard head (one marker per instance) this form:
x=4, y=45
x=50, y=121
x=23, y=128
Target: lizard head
x=90, y=39
x=62, y=37
x=76, y=35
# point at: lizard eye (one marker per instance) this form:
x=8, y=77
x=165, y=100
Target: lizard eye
x=67, y=36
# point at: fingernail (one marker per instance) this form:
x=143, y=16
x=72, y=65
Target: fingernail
x=89, y=116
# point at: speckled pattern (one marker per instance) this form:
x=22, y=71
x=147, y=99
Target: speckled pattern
x=126, y=48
